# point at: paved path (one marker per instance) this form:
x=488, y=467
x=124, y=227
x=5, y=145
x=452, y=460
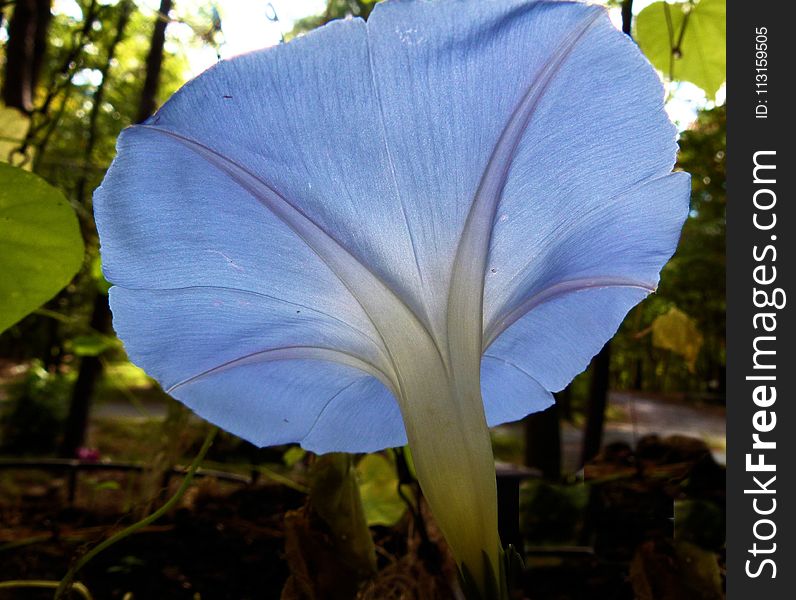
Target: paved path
x=650, y=415
x=643, y=415
x=635, y=415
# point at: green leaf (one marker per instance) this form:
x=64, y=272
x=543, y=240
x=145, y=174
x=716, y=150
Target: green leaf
x=678, y=332
x=40, y=244
x=689, y=45
x=13, y=127
x=92, y=344
x=107, y=485
x=378, y=487
x=293, y=455
x=103, y=285
x=335, y=497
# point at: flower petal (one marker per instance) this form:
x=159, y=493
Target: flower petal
x=575, y=294
x=509, y=392
x=263, y=403
x=208, y=276
x=204, y=329
x=350, y=425
x=301, y=122
x=588, y=182
x=190, y=226
x=373, y=206
x=620, y=241
x=247, y=363
x=555, y=341
x=449, y=88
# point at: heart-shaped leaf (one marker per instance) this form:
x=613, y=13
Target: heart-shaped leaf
x=686, y=41
x=40, y=244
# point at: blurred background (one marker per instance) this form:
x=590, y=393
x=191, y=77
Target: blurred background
x=621, y=483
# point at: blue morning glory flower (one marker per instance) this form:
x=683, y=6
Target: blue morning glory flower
x=401, y=230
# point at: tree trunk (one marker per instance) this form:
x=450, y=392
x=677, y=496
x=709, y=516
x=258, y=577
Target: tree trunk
x=125, y=10
x=154, y=62
x=638, y=375
x=598, y=400
x=564, y=403
x=627, y=17
x=27, y=42
x=83, y=391
x=91, y=366
x=543, y=442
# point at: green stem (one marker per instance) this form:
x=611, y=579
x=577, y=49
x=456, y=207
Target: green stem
x=281, y=479
x=44, y=584
x=66, y=583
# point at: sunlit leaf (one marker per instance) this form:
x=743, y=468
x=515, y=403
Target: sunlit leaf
x=293, y=455
x=378, y=486
x=92, y=344
x=96, y=272
x=686, y=41
x=678, y=332
x=13, y=127
x=107, y=486
x=40, y=244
